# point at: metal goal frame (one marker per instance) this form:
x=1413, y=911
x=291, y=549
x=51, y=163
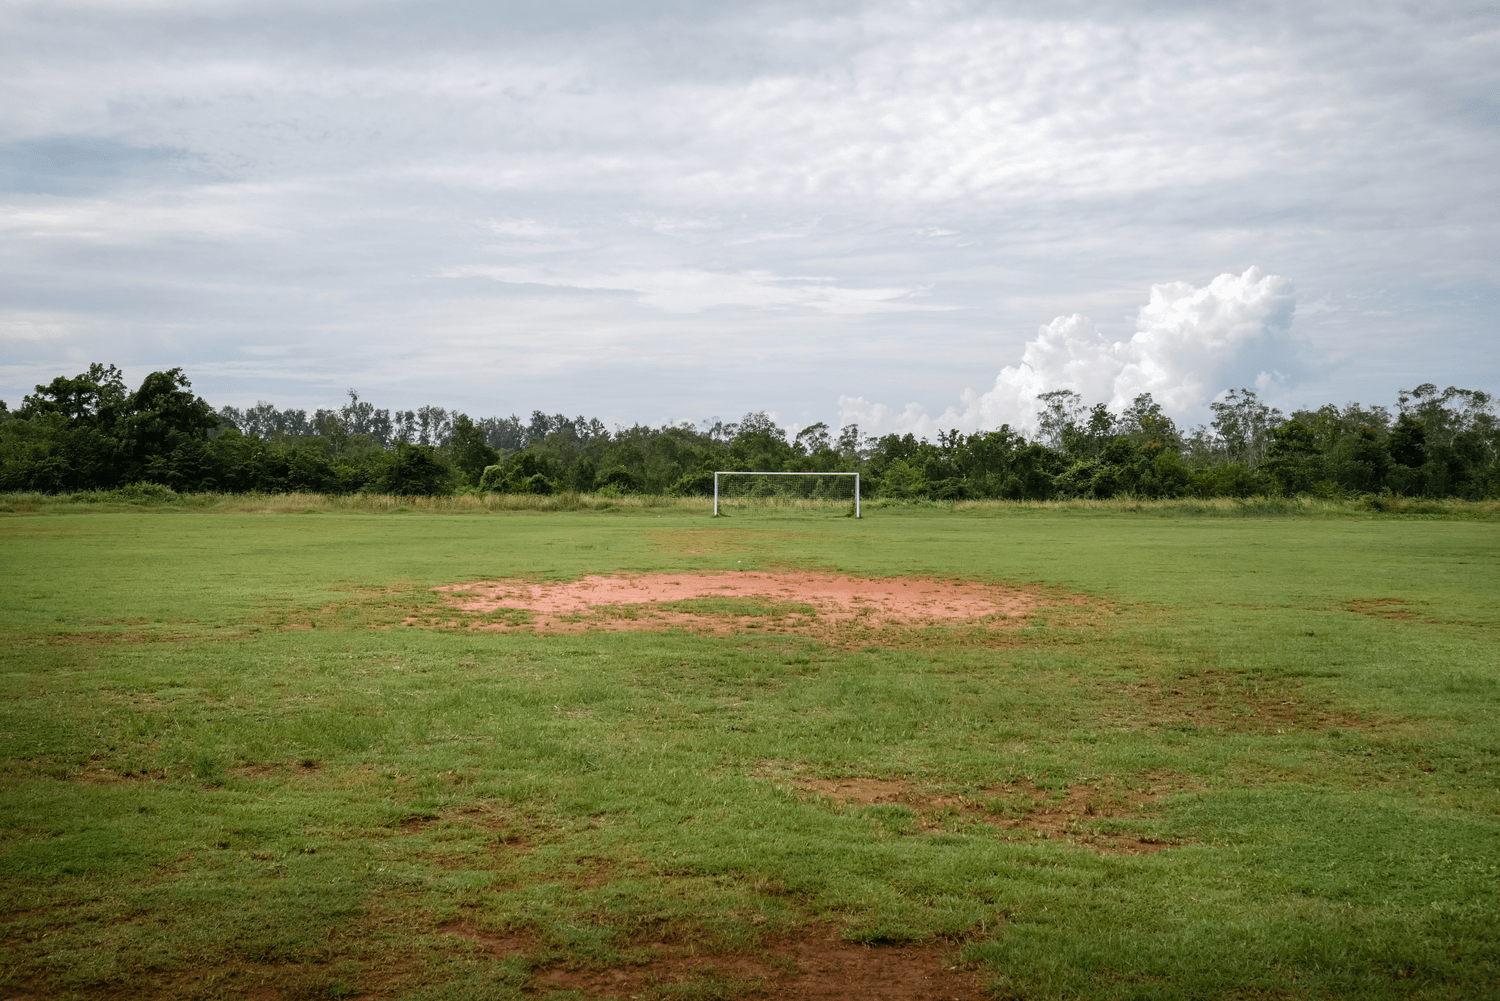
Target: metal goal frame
x=756, y=472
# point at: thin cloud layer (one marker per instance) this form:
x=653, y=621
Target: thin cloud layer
x=692, y=291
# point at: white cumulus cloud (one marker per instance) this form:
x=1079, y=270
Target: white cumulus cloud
x=1190, y=344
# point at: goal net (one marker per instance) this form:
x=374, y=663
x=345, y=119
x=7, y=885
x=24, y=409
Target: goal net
x=742, y=483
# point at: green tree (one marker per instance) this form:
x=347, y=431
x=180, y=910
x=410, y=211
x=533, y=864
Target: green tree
x=1292, y=457
x=81, y=430
x=851, y=444
x=1408, y=441
x=96, y=398
x=760, y=444
x=1089, y=440
x=37, y=454
x=164, y=437
x=1243, y=424
x=812, y=439
x=469, y=450
x=529, y=473
x=1360, y=461
x=1031, y=473
x=1144, y=423
x=1460, y=447
x=416, y=471
x=1061, y=411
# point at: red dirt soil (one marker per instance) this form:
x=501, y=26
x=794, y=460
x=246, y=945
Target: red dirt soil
x=810, y=963
x=636, y=603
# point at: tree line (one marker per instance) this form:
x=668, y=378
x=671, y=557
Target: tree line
x=91, y=432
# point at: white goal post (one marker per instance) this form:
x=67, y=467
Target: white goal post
x=753, y=472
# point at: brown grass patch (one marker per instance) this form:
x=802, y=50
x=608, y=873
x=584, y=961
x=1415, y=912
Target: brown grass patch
x=1237, y=703
x=134, y=634
x=1383, y=608
x=1023, y=810
x=701, y=541
x=809, y=962
x=383, y=974
x=98, y=776
x=480, y=838
x=497, y=944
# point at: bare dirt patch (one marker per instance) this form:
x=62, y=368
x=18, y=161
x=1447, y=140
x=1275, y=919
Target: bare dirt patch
x=1224, y=701
x=1382, y=608
x=1078, y=814
x=110, y=777
x=508, y=944
x=811, y=962
x=804, y=602
x=476, y=838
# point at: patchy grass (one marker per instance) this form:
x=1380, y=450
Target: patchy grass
x=739, y=607
x=1264, y=763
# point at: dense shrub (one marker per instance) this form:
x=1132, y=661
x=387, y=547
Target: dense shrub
x=416, y=471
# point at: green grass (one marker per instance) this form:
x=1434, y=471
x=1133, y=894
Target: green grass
x=199, y=801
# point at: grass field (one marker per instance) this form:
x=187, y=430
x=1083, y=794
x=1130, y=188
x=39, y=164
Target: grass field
x=1249, y=757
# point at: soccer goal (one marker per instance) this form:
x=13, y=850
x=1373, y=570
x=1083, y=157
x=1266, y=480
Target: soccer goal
x=750, y=472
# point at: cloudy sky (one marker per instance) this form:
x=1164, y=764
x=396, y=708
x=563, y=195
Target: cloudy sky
x=907, y=214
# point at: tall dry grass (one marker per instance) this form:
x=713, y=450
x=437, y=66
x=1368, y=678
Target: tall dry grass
x=1253, y=507
x=308, y=503
x=161, y=499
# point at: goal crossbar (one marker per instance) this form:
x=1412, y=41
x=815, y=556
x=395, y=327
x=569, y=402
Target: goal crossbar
x=755, y=472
